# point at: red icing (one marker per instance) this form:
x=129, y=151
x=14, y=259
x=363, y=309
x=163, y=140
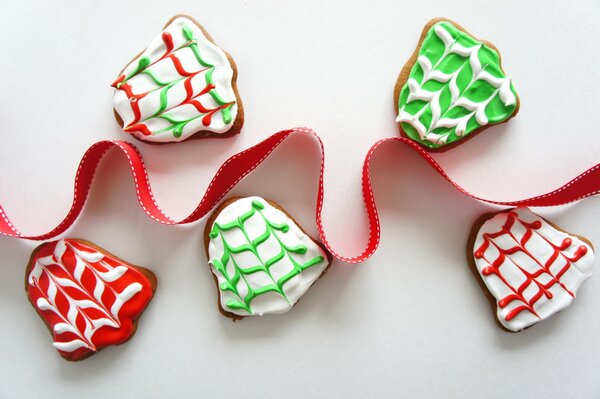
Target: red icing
x=168, y=40
x=179, y=67
x=494, y=266
x=189, y=90
x=138, y=127
x=134, y=101
x=206, y=119
x=170, y=52
x=119, y=80
x=77, y=293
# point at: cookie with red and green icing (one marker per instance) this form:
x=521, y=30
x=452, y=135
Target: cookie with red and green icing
x=452, y=87
x=261, y=259
x=88, y=298
x=181, y=86
x=529, y=268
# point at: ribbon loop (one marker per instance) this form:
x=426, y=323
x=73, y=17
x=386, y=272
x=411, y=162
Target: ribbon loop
x=240, y=165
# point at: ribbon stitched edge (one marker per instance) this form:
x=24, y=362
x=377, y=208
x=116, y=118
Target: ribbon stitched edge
x=238, y=166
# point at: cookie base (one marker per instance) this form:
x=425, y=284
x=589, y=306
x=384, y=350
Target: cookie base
x=209, y=223
x=405, y=73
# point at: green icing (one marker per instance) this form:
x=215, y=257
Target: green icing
x=155, y=79
x=455, y=87
x=177, y=126
x=241, y=272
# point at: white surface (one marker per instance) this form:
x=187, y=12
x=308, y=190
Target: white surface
x=411, y=321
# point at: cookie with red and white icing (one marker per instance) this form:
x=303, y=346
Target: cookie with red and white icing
x=88, y=298
x=529, y=268
x=262, y=261
x=181, y=85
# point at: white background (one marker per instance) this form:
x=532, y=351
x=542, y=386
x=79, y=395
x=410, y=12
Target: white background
x=409, y=322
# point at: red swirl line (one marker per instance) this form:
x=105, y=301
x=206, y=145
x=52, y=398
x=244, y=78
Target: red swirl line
x=167, y=39
x=240, y=165
x=530, y=278
x=179, y=67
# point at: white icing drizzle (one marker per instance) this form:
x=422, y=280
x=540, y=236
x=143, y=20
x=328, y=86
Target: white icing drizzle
x=270, y=302
x=417, y=92
x=165, y=71
x=558, y=274
x=55, y=284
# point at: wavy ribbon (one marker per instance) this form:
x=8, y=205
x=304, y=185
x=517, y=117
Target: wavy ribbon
x=239, y=165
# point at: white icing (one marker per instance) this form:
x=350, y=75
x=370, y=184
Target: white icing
x=271, y=302
x=417, y=92
x=541, y=250
x=165, y=71
x=56, y=284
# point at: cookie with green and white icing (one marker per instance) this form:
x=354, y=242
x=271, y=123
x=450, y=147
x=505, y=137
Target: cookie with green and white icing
x=262, y=261
x=452, y=88
x=181, y=85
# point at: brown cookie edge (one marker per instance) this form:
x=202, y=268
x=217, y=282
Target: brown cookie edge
x=209, y=223
x=405, y=72
x=201, y=134
x=146, y=272
x=471, y=260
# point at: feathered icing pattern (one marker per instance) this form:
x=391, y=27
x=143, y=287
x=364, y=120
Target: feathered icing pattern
x=240, y=262
x=443, y=101
x=529, y=259
x=171, y=86
x=88, y=298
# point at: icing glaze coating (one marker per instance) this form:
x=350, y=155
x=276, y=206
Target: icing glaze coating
x=532, y=269
x=262, y=260
x=88, y=298
x=180, y=85
x=455, y=87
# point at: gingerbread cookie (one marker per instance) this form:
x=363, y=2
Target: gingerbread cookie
x=452, y=88
x=262, y=261
x=88, y=298
x=181, y=85
x=529, y=268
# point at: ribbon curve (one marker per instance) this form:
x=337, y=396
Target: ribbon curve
x=241, y=164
